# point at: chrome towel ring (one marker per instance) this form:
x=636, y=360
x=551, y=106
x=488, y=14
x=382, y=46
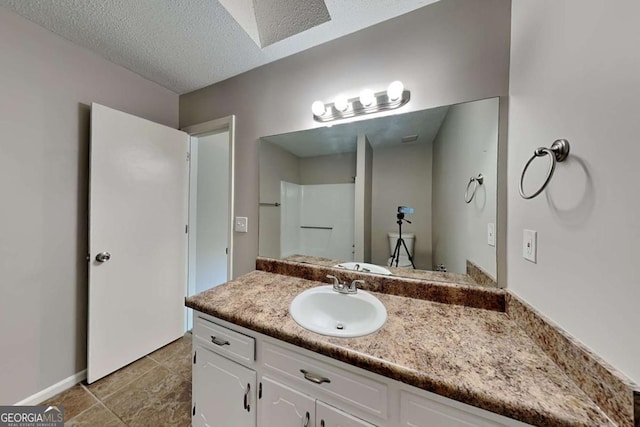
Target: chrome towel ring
x=557, y=153
x=473, y=180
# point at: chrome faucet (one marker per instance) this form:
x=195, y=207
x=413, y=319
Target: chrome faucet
x=343, y=288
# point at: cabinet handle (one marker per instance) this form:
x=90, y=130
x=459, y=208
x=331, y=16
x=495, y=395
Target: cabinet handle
x=306, y=420
x=219, y=342
x=321, y=423
x=246, y=398
x=314, y=378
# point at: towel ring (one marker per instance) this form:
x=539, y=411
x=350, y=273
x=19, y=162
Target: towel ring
x=557, y=153
x=478, y=181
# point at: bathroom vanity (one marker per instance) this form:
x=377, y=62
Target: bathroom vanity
x=431, y=364
x=244, y=378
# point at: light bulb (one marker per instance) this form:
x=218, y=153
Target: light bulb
x=318, y=108
x=341, y=103
x=367, y=97
x=395, y=89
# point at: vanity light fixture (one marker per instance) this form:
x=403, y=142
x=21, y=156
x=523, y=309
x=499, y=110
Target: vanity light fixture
x=368, y=102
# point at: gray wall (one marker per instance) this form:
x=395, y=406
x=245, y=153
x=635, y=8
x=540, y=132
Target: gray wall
x=466, y=145
x=330, y=169
x=47, y=85
x=575, y=74
x=448, y=52
x=402, y=177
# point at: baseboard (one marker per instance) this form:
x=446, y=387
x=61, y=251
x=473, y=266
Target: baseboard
x=54, y=389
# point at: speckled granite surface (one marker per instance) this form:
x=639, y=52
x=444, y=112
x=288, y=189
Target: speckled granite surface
x=479, y=276
x=434, y=276
x=611, y=390
x=448, y=293
x=475, y=356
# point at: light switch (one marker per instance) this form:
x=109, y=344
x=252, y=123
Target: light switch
x=241, y=224
x=530, y=245
x=491, y=234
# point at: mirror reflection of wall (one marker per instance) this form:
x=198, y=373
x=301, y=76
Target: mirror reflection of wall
x=209, y=216
x=422, y=160
x=315, y=193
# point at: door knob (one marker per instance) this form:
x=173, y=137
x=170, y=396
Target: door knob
x=103, y=257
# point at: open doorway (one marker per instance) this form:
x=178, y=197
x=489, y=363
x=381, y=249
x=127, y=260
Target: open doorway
x=211, y=185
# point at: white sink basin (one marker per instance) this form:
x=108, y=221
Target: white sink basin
x=364, y=267
x=327, y=312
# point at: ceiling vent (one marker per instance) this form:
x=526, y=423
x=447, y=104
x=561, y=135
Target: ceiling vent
x=409, y=138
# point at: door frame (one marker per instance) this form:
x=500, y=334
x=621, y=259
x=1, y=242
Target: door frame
x=199, y=130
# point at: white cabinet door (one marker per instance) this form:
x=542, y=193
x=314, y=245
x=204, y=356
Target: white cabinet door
x=282, y=406
x=328, y=416
x=223, y=392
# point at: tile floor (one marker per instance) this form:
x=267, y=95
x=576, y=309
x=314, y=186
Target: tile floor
x=152, y=391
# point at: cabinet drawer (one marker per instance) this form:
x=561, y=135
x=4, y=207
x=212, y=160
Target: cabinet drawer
x=224, y=341
x=359, y=391
x=417, y=411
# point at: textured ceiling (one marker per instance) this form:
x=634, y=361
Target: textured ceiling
x=381, y=132
x=186, y=45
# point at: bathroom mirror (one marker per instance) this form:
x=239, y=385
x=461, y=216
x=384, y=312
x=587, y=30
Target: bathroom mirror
x=331, y=195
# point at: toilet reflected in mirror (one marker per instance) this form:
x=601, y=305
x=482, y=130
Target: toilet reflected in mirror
x=399, y=255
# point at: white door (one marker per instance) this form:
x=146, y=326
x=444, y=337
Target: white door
x=328, y=416
x=137, y=214
x=223, y=392
x=284, y=407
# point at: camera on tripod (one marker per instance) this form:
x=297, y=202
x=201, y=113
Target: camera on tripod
x=400, y=244
x=405, y=210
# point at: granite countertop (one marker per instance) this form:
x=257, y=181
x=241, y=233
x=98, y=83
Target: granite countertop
x=476, y=356
x=438, y=276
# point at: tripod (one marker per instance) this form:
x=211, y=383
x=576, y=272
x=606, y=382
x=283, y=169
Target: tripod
x=400, y=243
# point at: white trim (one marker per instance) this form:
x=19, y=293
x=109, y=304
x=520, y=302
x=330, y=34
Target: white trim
x=53, y=390
x=232, y=162
x=193, y=231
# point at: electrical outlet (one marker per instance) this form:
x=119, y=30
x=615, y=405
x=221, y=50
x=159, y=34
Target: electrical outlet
x=530, y=245
x=491, y=234
x=241, y=224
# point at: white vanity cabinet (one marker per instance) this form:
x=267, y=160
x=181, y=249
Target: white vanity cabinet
x=242, y=378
